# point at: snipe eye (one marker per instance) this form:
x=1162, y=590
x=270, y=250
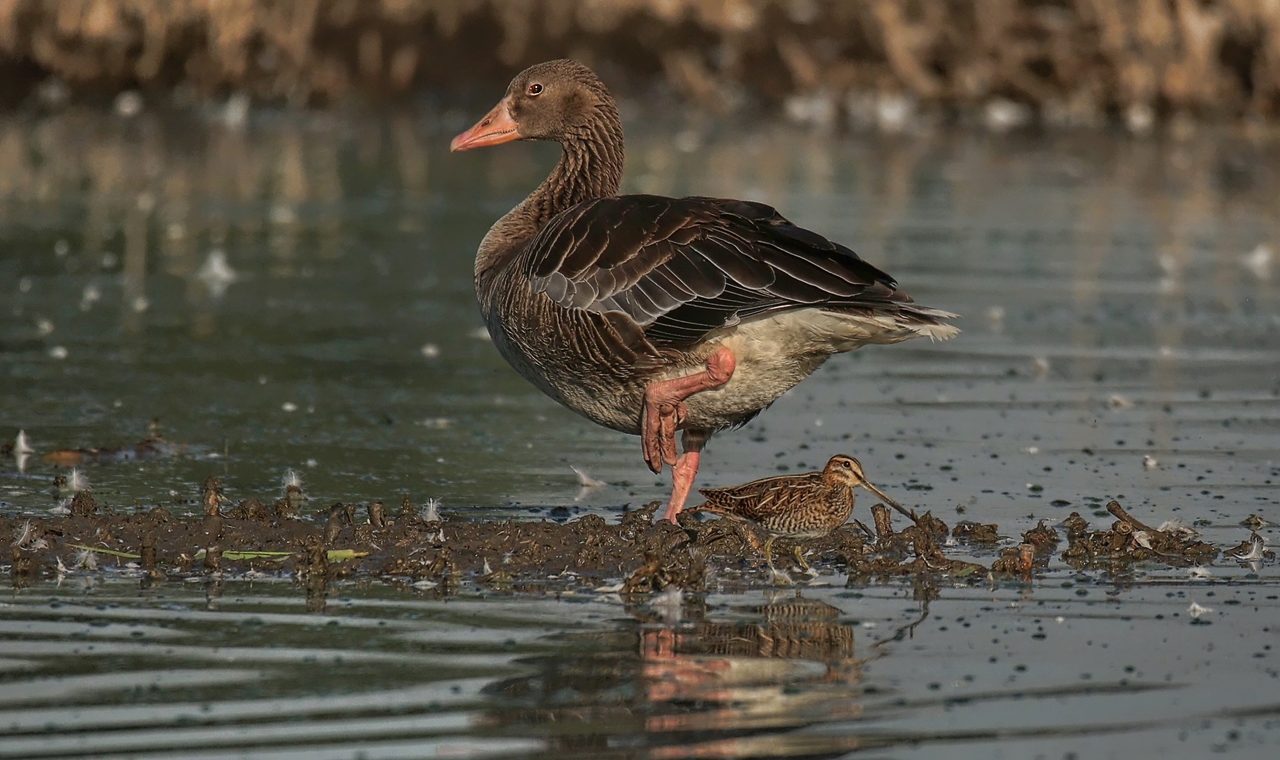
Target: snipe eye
x=534, y=90
x=845, y=464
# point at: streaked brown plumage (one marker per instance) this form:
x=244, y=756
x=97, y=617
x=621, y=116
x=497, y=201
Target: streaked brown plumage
x=803, y=507
x=651, y=315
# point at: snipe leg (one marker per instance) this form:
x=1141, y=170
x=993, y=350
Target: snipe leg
x=768, y=552
x=774, y=573
x=799, y=552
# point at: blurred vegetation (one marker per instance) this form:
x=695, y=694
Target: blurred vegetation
x=1068, y=62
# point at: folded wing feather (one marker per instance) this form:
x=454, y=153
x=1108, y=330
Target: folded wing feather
x=683, y=267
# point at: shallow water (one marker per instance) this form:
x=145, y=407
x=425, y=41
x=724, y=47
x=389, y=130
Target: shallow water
x=1107, y=299
x=1093, y=667
x=1117, y=302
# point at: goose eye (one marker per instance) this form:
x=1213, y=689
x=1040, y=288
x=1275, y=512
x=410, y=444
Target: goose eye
x=535, y=90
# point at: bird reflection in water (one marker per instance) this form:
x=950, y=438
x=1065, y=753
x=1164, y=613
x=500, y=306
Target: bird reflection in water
x=778, y=679
x=792, y=664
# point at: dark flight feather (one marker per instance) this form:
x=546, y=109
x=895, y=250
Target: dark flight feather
x=683, y=267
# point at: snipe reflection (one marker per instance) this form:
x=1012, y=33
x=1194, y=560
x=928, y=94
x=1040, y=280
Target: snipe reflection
x=789, y=662
x=682, y=677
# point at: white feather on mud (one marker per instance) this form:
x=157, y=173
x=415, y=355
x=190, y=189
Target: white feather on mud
x=586, y=482
x=76, y=482
x=670, y=604
x=291, y=480
x=22, y=535
x=1196, y=610
x=1177, y=526
x=86, y=559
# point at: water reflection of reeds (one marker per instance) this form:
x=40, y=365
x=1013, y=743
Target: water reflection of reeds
x=127, y=192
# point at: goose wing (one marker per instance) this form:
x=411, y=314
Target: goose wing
x=679, y=268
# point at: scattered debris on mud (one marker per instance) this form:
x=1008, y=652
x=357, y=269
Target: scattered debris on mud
x=1128, y=540
x=634, y=555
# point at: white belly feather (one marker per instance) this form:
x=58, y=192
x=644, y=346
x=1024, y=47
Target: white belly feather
x=774, y=352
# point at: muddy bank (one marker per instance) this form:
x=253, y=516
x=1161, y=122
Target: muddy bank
x=406, y=546
x=1074, y=62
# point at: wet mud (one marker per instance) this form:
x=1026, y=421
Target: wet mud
x=412, y=546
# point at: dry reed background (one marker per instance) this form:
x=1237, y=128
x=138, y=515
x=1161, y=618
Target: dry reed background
x=1070, y=62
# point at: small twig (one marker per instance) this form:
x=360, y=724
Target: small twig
x=212, y=558
x=884, y=524
x=907, y=630
x=863, y=526
x=211, y=495
x=377, y=514
x=147, y=554
x=1118, y=511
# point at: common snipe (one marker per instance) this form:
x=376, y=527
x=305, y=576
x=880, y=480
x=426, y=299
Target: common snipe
x=803, y=507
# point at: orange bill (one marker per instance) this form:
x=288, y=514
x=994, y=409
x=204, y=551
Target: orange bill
x=495, y=128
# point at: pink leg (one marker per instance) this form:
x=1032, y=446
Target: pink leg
x=664, y=409
x=684, y=472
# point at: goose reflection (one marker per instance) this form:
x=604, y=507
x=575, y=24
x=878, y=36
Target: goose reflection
x=791, y=662
x=676, y=677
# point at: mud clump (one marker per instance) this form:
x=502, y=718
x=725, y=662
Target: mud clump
x=1129, y=540
x=923, y=538
x=1042, y=537
x=418, y=548
x=250, y=509
x=1252, y=549
x=970, y=532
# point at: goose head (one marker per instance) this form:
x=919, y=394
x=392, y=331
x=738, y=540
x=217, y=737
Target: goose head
x=559, y=100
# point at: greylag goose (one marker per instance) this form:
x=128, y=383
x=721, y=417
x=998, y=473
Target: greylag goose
x=650, y=315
